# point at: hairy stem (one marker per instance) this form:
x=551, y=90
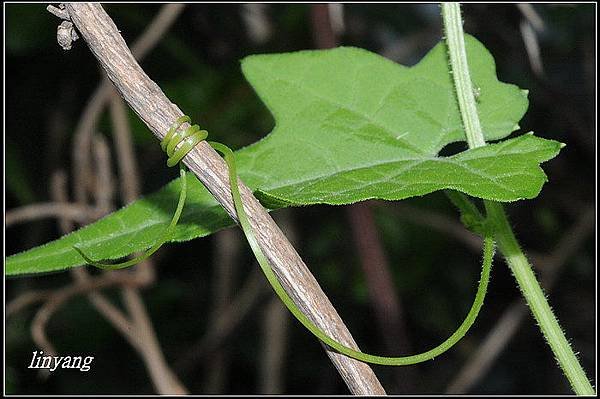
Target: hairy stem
x=460, y=73
x=536, y=300
x=504, y=235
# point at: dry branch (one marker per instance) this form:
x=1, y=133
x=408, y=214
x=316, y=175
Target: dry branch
x=158, y=113
x=29, y=213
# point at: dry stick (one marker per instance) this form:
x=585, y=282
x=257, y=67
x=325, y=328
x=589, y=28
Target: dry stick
x=64, y=210
x=506, y=327
x=163, y=378
x=383, y=295
x=81, y=172
x=226, y=247
x=55, y=299
x=259, y=27
x=140, y=332
x=89, y=118
x=104, y=190
x=25, y=299
x=158, y=113
x=128, y=171
x=323, y=35
x=488, y=351
x=530, y=26
x=30, y=297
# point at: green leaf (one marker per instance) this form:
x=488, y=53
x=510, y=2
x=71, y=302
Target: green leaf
x=128, y=230
x=350, y=126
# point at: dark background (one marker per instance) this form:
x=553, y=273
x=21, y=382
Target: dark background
x=197, y=65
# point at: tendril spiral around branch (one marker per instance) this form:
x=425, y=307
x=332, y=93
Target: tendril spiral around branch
x=178, y=143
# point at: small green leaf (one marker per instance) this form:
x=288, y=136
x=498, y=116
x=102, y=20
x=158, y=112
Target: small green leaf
x=350, y=126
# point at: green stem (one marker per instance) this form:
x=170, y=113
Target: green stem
x=521, y=269
x=455, y=42
x=507, y=243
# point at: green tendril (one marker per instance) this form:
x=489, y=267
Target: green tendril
x=186, y=141
x=177, y=144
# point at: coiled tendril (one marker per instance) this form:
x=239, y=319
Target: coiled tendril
x=177, y=144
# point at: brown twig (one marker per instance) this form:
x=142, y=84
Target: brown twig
x=64, y=210
x=83, y=173
x=532, y=47
x=95, y=105
x=137, y=328
x=158, y=113
x=128, y=170
x=99, y=183
x=27, y=298
x=55, y=299
x=488, y=351
x=324, y=36
x=104, y=187
x=258, y=25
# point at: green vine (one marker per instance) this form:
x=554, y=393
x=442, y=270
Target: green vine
x=506, y=240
